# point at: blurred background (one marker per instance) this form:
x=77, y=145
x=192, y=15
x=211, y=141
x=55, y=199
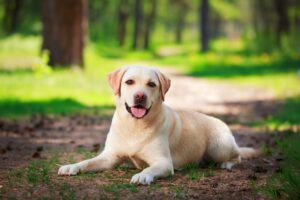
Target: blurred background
x=235, y=59
x=60, y=52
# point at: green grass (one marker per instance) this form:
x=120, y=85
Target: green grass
x=28, y=86
x=66, y=192
x=276, y=72
x=179, y=192
x=286, y=183
x=36, y=172
x=115, y=189
x=287, y=117
x=32, y=88
x=195, y=173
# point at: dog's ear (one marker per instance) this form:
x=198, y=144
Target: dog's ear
x=165, y=84
x=115, y=78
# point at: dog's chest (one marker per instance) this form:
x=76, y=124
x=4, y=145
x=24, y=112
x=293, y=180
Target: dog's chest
x=132, y=144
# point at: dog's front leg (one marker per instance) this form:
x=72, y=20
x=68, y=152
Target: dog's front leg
x=160, y=168
x=104, y=161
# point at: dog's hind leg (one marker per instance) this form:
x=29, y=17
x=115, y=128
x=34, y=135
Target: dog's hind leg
x=229, y=164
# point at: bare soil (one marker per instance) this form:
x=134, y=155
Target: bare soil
x=72, y=138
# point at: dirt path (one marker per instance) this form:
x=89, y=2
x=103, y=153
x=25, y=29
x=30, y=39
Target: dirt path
x=77, y=137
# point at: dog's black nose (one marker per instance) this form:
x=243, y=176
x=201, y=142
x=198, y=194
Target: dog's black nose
x=140, y=97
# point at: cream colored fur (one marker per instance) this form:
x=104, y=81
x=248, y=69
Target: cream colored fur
x=164, y=139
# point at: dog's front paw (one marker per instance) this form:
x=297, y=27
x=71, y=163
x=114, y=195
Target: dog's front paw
x=70, y=170
x=142, y=178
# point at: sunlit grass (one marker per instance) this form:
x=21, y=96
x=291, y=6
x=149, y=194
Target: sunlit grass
x=26, y=90
x=25, y=80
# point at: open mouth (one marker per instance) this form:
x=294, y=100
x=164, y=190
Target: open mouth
x=137, y=111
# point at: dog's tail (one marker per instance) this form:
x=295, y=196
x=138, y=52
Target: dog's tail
x=247, y=152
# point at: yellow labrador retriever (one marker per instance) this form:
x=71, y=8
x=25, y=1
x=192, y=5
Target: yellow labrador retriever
x=155, y=137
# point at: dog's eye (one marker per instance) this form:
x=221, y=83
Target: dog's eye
x=151, y=84
x=129, y=82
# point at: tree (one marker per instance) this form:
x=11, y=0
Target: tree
x=64, y=31
x=11, y=17
x=204, y=25
x=123, y=15
x=138, y=14
x=149, y=23
x=181, y=8
x=283, y=22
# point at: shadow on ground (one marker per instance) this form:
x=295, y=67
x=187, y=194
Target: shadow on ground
x=17, y=108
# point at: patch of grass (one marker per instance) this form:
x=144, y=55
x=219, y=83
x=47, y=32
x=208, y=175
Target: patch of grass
x=179, y=192
x=107, y=175
x=129, y=172
x=287, y=116
x=194, y=173
x=115, y=188
x=277, y=71
x=124, y=167
x=18, y=173
x=66, y=192
x=86, y=175
x=26, y=89
x=266, y=150
x=36, y=172
x=45, y=198
x=286, y=183
x=153, y=187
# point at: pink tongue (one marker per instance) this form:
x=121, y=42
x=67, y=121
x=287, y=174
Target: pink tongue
x=138, y=112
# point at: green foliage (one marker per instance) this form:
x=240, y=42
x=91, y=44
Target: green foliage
x=227, y=9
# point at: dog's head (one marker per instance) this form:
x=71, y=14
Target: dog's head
x=138, y=89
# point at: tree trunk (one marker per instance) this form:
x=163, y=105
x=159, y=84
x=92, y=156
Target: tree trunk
x=178, y=30
x=11, y=17
x=123, y=18
x=204, y=25
x=283, y=18
x=181, y=8
x=64, y=31
x=149, y=24
x=137, y=23
x=215, y=25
